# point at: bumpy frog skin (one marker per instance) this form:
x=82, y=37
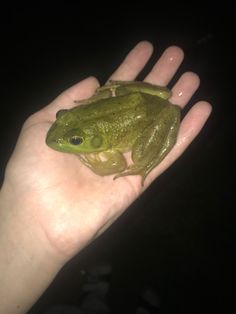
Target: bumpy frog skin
x=120, y=117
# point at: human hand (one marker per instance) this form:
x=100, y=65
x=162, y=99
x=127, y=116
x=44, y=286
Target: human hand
x=63, y=199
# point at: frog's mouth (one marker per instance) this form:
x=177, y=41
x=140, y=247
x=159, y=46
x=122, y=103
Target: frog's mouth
x=55, y=144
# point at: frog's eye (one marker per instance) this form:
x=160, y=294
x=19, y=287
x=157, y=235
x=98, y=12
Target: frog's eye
x=76, y=140
x=60, y=113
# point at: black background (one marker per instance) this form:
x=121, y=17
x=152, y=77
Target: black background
x=179, y=236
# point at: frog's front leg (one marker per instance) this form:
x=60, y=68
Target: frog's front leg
x=104, y=163
x=125, y=87
x=154, y=143
x=102, y=92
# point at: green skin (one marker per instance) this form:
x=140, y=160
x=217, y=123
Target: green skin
x=120, y=117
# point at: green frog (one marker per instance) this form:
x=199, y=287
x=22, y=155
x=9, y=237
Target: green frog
x=120, y=117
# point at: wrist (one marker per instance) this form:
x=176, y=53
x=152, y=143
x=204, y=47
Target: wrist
x=27, y=262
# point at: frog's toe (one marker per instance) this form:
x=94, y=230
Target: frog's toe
x=132, y=171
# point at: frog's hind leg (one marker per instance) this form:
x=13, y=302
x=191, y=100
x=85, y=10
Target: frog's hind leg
x=154, y=144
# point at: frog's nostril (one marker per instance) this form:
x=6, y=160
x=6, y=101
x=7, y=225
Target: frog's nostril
x=59, y=141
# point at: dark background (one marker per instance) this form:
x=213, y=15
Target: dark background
x=179, y=236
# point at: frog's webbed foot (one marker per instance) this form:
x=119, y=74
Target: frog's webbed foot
x=143, y=171
x=134, y=170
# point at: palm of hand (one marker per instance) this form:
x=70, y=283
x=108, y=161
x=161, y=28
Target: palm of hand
x=68, y=201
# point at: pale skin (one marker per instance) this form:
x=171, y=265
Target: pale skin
x=52, y=206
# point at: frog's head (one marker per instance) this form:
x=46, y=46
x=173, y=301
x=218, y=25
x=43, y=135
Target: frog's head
x=75, y=137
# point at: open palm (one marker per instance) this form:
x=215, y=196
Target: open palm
x=64, y=198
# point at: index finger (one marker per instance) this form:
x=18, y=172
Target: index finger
x=134, y=62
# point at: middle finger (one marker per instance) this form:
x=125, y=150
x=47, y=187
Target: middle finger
x=166, y=66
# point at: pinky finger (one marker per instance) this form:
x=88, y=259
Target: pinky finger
x=191, y=125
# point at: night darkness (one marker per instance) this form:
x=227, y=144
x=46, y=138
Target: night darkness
x=178, y=237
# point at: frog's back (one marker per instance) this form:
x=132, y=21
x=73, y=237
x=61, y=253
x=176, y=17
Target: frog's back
x=118, y=105
x=109, y=106
x=126, y=123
